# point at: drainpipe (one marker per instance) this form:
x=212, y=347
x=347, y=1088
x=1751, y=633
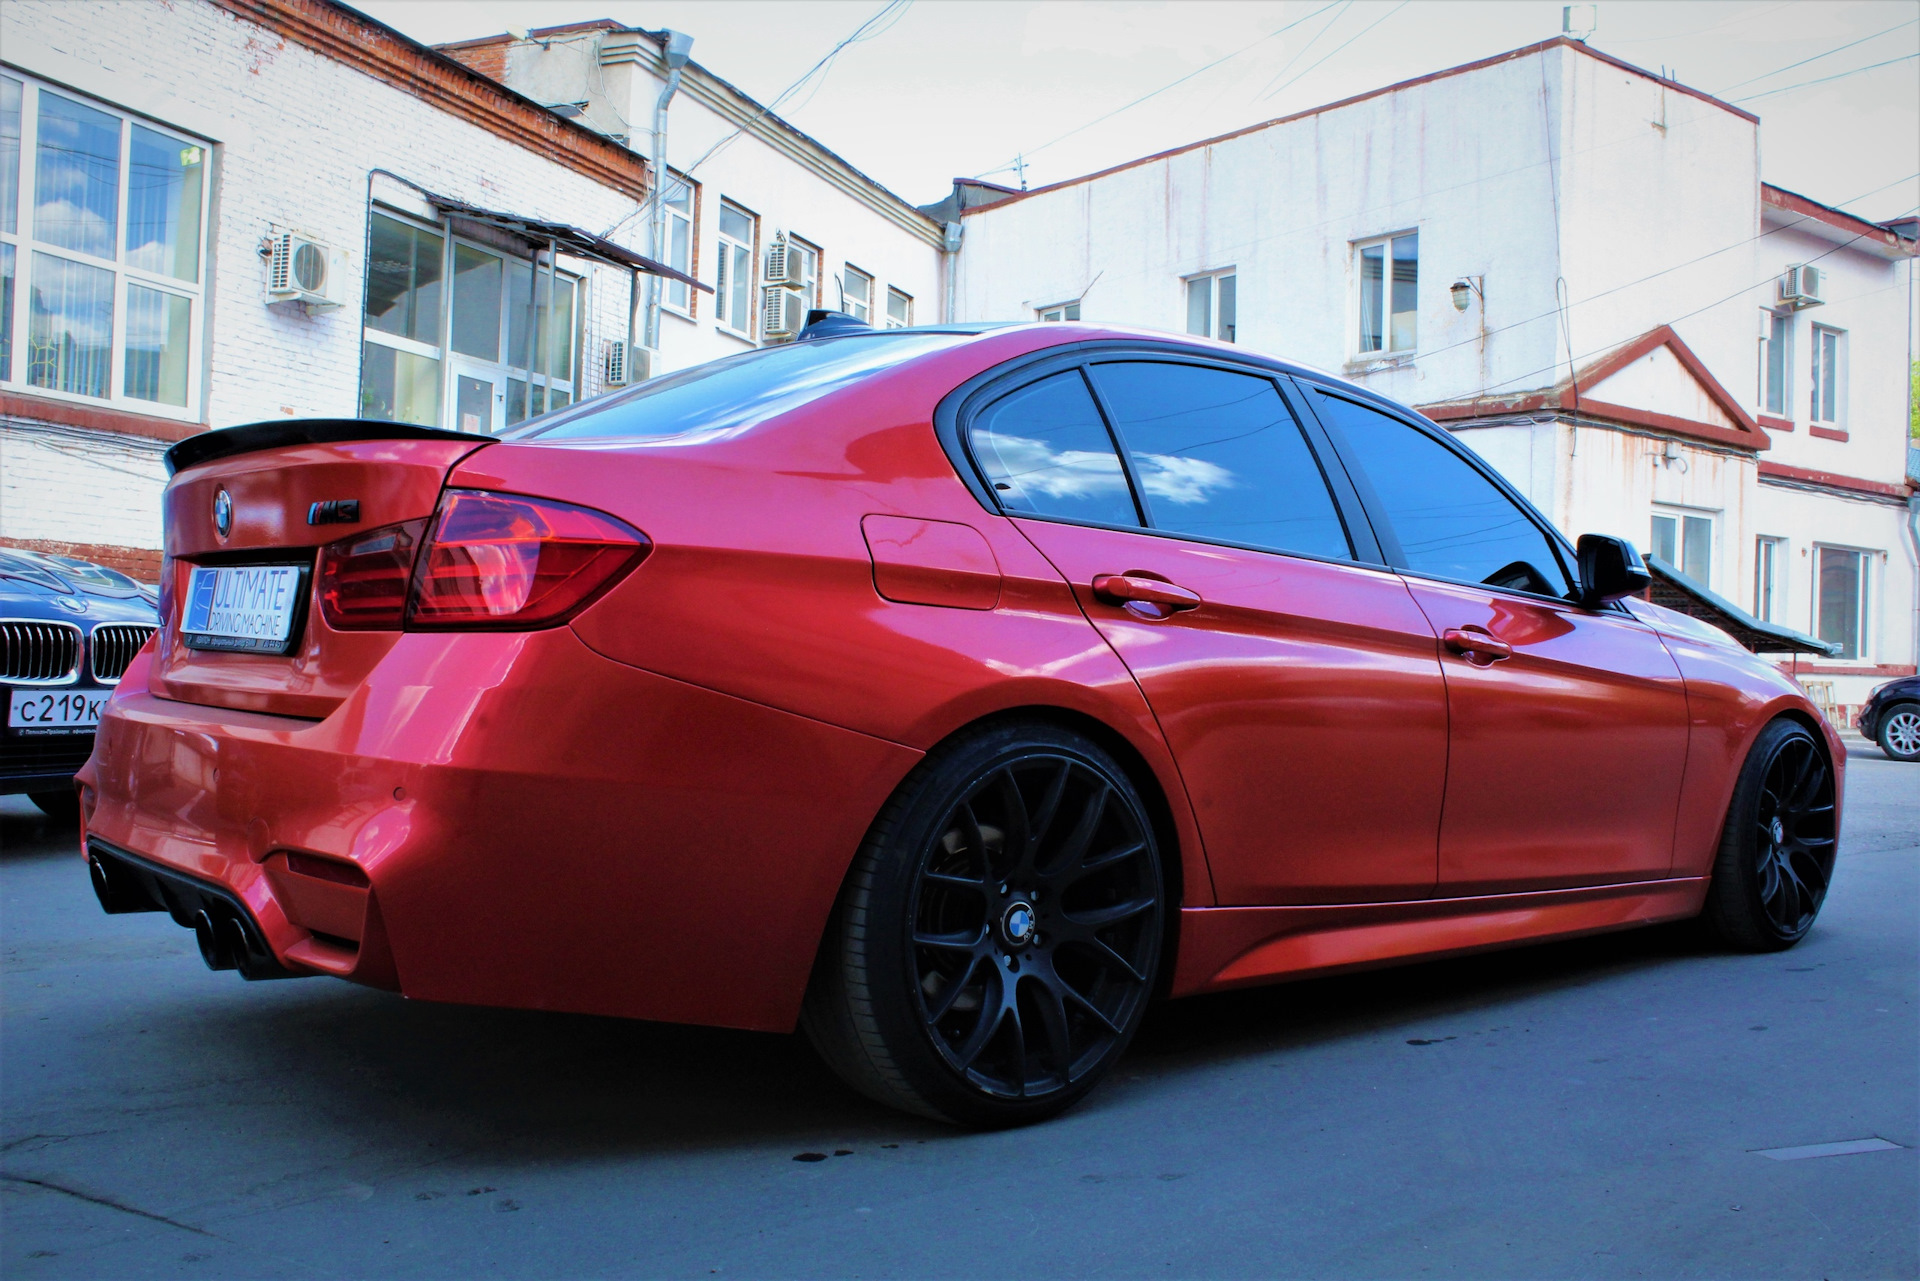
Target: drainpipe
x=675, y=50
x=950, y=255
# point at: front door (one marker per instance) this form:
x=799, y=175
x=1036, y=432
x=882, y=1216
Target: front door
x=1569, y=724
x=1298, y=688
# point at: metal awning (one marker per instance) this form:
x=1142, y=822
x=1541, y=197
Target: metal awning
x=1676, y=591
x=573, y=240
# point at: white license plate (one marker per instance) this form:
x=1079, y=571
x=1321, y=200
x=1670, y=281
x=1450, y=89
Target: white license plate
x=54, y=711
x=242, y=607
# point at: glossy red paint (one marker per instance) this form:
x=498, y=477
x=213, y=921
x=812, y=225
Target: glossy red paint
x=649, y=810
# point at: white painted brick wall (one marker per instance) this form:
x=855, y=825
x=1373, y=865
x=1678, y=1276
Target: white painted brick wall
x=74, y=486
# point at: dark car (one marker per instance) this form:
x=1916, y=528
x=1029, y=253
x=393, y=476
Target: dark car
x=1891, y=718
x=68, y=629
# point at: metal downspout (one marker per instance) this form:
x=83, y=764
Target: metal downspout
x=950, y=260
x=674, y=48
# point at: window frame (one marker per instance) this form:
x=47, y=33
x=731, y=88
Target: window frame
x=1213, y=277
x=1044, y=313
x=1680, y=515
x=1866, y=563
x=894, y=291
x=125, y=274
x=1763, y=393
x=723, y=242
x=812, y=289
x=1836, y=383
x=846, y=297
x=1769, y=579
x=1356, y=314
x=953, y=420
x=690, y=310
x=507, y=370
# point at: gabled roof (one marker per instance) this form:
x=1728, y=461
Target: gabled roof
x=1557, y=42
x=1653, y=381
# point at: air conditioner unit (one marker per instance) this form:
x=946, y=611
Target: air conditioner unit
x=1801, y=287
x=303, y=270
x=627, y=364
x=784, y=265
x=783, y=312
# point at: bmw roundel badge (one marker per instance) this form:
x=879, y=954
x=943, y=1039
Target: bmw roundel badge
x=223, y=513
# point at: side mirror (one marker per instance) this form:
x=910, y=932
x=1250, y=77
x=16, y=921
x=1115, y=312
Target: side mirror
x=1609, y=569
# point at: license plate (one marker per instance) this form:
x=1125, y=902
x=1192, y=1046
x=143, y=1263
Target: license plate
x=54, y=711
x=243, y=607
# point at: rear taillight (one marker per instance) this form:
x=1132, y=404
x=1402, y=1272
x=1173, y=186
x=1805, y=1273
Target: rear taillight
x=504, y=561
x=363, y=579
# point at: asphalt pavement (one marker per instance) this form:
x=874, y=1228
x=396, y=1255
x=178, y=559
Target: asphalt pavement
x=1587, y=1109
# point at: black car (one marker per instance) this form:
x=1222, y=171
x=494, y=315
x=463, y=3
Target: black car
x=68, y=629
x=1891, y=718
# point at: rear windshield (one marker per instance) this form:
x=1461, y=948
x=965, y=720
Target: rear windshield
x=737, y=391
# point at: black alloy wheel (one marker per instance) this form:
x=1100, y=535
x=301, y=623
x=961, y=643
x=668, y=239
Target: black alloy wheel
x=1777, y=850
x=1000, y=933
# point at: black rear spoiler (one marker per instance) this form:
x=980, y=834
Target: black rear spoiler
x=254, y=437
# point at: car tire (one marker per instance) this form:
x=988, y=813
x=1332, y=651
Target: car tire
x=998, y=936
x=1898, y=732
x=62, y=807
x=1777, y=848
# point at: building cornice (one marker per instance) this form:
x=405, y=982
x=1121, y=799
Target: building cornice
x=64, y=413
x=742, y=112
x=1834, y=483
x=1836, y=225
x=355, y=40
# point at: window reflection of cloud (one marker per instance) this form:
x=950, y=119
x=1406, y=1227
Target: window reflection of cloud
x=1181, y=480
x=1035, y=466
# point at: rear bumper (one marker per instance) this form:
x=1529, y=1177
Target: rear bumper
x=509, y=819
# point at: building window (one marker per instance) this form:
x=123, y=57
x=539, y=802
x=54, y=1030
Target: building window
x=1065, y=311
x=733, y=283
x=1213, y=305
x=899, y=309
x=1769, y=558
x=503, y=342
x=1840, y=610
x=679, y=244
x=1776, y=363
x=102, y=238
x=1389, y=302
x=856, y=294
x=806, y=269
x=1685, y=541
x=1829, y=399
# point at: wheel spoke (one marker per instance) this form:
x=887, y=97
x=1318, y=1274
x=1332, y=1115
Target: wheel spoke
x=1050, y=803
x=1104, y=953
x=1100, y=918
x=1074, y=848
x=1053, y=1025
x=1112, y=858
x=1098, y=1014
x=951, y=942
x=957, y=882
x=1806, y=780
x=992, y=1012
x=951, y=992
x=975, y=842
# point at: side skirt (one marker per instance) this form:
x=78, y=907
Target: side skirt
x=1227, y=947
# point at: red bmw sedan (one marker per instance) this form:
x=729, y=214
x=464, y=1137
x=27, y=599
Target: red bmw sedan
x=949, y=693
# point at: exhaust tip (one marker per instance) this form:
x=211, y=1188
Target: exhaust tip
x=102, y=883
x=213, y=942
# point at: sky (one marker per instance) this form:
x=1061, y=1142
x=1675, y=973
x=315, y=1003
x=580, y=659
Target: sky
x=947, y=88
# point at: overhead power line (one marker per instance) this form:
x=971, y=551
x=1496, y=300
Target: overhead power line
x=1171, y=84
x=1816, y=57
x=1343, y=44
x=1824, y=79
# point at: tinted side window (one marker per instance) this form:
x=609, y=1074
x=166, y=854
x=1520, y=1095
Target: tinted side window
x=1451, y=520
x=1045, y=451
x=1220, y=456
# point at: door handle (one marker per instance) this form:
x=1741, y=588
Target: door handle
x=1135, y=589
x=1476, y=646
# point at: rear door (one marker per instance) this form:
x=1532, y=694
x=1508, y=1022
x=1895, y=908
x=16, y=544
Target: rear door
x=1298, y=685
x=1569, y=725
